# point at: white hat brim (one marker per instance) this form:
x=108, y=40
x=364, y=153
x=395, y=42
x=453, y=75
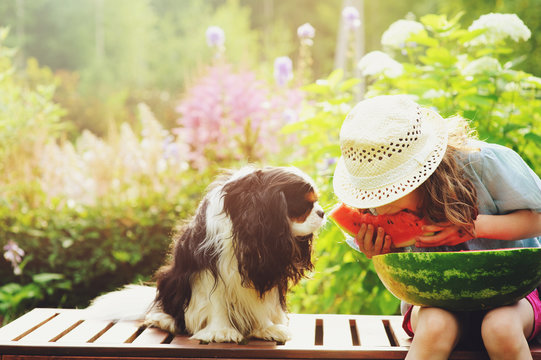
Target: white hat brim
x=349, y=192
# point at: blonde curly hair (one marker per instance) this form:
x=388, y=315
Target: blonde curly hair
x=448, y=195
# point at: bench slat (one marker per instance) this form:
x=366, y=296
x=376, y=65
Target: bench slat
x=52, y=329
x=400, y=335
x=84, y=332
x=151, y=336
x=27, y=322
x=184, y=340
x=119, y=333
x=303, y=330
x=372, y=332
x=336, y=331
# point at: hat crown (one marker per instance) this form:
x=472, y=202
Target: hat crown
x=381, y=133
x=390, y=146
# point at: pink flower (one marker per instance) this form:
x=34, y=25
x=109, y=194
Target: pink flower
x=229, y=115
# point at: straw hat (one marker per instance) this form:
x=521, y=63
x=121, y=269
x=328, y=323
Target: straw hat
x=390, y=145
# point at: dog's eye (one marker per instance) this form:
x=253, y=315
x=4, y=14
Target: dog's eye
x=300, y=208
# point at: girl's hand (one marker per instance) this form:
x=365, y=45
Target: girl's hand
x=444, y=234
x=370, y=246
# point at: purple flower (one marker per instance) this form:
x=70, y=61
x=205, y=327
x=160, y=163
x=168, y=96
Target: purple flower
x=290, y=116
x=306, y=31
x=283, y=70
x=14, y=254
x=215, y=36
x=351, y=16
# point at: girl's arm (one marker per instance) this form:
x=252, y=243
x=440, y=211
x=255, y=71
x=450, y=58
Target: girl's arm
x=520, y=224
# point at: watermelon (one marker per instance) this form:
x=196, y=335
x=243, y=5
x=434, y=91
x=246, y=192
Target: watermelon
x=403, y=227
x=461, y=280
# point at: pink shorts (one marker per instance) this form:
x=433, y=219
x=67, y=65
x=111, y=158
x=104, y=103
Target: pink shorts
x=533, y=299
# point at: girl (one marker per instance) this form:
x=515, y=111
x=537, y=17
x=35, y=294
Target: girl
x=397, y=156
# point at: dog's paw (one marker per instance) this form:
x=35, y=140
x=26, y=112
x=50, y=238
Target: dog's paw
x=161, y=320
x=226, y=334
x=276, y=332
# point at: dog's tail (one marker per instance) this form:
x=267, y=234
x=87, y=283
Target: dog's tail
x=129, y=303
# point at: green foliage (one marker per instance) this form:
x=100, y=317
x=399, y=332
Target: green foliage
x=28, y=116
x=527, y=10
x=459, y=71
x=94, y=248
x=344, y=281
x=15, y=297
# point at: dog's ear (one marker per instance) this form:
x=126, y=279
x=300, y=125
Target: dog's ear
x=263, y=243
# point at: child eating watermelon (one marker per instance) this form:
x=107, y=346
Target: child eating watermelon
x=399, y=157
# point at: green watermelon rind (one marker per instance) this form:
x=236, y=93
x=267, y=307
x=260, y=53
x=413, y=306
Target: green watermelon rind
x=465, y=280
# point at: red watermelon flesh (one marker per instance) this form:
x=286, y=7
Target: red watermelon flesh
x=403, y=227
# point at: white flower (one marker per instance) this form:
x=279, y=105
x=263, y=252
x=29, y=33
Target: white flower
x=512, y=87
x=499, y=27
x=378, y=62
x=306, y=31
x=351, y=17
x=534, y=80
x=215, y=36
x=398, y=33
x=485, y=64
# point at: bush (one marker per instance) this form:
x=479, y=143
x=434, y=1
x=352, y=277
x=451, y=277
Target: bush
x=454, y=70
x=469, y=72
x=95, y=248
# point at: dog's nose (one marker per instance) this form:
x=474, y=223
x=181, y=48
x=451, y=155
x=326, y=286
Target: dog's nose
x=320, y=213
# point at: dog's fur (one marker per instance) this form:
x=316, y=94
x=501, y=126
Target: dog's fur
x=232, y=265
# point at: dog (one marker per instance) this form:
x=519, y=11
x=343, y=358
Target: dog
x=233, y=263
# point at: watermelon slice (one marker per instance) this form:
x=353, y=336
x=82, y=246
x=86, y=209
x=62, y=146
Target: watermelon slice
x=461, y=280
x=403, y=227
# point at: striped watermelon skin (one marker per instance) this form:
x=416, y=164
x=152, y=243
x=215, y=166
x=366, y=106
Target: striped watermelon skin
x=462, y=280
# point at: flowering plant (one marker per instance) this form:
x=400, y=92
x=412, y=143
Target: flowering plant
x=470, y=72
x=14, y=254
x=228, y=115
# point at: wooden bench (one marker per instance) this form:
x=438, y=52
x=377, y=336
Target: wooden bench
x=46, y=334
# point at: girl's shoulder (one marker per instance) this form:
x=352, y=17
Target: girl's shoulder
x=503, y=174
x=482, y=157
x=477, y=149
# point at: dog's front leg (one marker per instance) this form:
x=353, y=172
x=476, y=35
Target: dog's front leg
x=272, y=319
x=207, y=316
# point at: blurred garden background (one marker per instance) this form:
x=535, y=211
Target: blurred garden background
x=116, y=114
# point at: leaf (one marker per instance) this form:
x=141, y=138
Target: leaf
x=349, y=84
x=423, y=39
x=439, y=23
x=121, y=256
x=439, y=55
x=531, y=136
x=480, y=100
x=514, y=62
x=316, y=88
x=469, y=35
x=335, y=77
x=512, y=127
x=46, y=277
